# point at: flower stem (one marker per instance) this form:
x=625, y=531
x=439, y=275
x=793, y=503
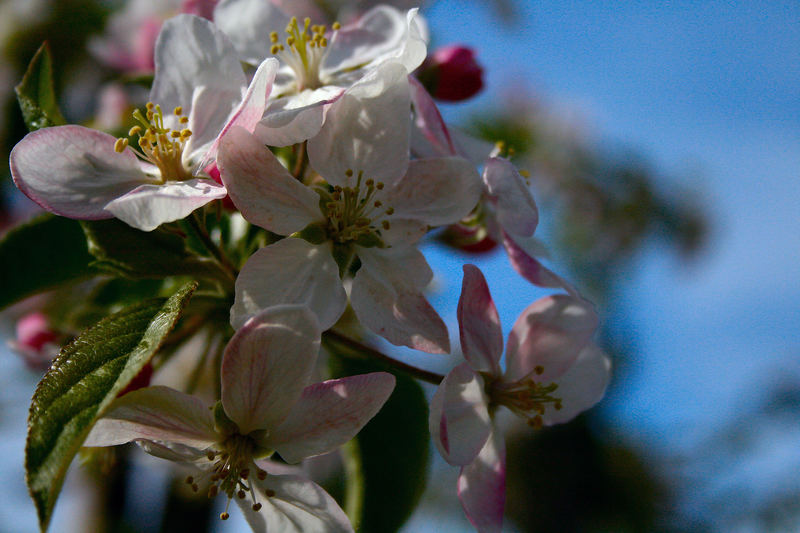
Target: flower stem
x=199, y=231
x=418, y=373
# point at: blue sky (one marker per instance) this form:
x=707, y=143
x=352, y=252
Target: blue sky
x=705, y=91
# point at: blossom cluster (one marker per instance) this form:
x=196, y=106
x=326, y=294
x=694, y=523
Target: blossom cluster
x=325, y=140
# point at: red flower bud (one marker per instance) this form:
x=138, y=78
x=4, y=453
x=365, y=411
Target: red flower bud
x=452, y=74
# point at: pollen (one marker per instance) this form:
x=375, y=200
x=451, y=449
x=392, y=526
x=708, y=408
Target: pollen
x=303, y=50
x=526, y=398
x=158, y=144
x=355, y=213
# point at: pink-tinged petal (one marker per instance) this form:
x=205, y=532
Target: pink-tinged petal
x=436, y=191
x=290, y=271
x=381, y=33
x=482, y=487
x=531, y=269
x=550, y=333
x=398, y=266
x=330, y=414
x=296, y=118
x=170, y=451
x=267, y=364
x=459, y=420
x=249, y=23
x=158, y=414
x=479, y=323
x=149, y=206
x=74, y=171
x=582, y=386
x=294, y=505
x=394, y=307
x=201, y=8
x=193, y=54
x=366, y=129
x=261, y=188
x=429, y=122
x=513, y=202
x=251, y=109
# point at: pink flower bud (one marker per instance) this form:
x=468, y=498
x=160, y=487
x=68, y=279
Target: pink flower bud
x=452, y=74
x=36, y=341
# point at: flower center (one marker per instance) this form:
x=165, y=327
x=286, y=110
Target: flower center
x=159, y=145
x=303, y=51
x=526, y=398
x=355, y=214
x=231, y=471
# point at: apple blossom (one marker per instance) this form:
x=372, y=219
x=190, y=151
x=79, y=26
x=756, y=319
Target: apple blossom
x=267, y=405
x=317, y=65
x=553, y=372
x=373, y=208
x=507, y=211
x=200, y=92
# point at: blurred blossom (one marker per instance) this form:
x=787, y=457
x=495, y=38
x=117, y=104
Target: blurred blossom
x=36, y=340
x=129, y=40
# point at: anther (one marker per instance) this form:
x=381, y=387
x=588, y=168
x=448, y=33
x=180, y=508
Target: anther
x=539, y=369
x=178, y=110
x=349, y=172
x=261, y=474
x=136, y=130
x=256, y=507
x=189, y=480
x=224, y=516
x=270, y=493
x=240, y=494
x=120, y=145
x=336, y=26
x=213, y=490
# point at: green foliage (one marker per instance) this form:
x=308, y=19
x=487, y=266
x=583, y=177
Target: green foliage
x=41, y=254
x=36, y=95
x=125, y=251
x=389, y=456
x=83, y=380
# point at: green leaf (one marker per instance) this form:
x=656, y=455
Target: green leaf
x=41, y=254
x=85, y=377
x=35, y=93
x=125, y=251
x=389, y=457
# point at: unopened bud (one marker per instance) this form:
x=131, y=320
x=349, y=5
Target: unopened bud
x=451, y=74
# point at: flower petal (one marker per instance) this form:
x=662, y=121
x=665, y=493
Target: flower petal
x=149, y=206
x=296, y=118
x=520, y=254
x=191, y=55
x=393, y=306
x=261, y=188
x=482, y=486
x=267, y=364
x=582, y=386
x=381, y=34
x=294, y=505
x=479, y=323
x=366, y=129
x=74, y=171
x=290, y=271
x=330, y=414
x=251, y=108
x=437, y=191
x=459, y=419
x=158, y=414
x=249, y=23
x=513, y=202
x=434, y=136
x=550, y=333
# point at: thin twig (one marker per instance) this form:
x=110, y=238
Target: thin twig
x=419, y=373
